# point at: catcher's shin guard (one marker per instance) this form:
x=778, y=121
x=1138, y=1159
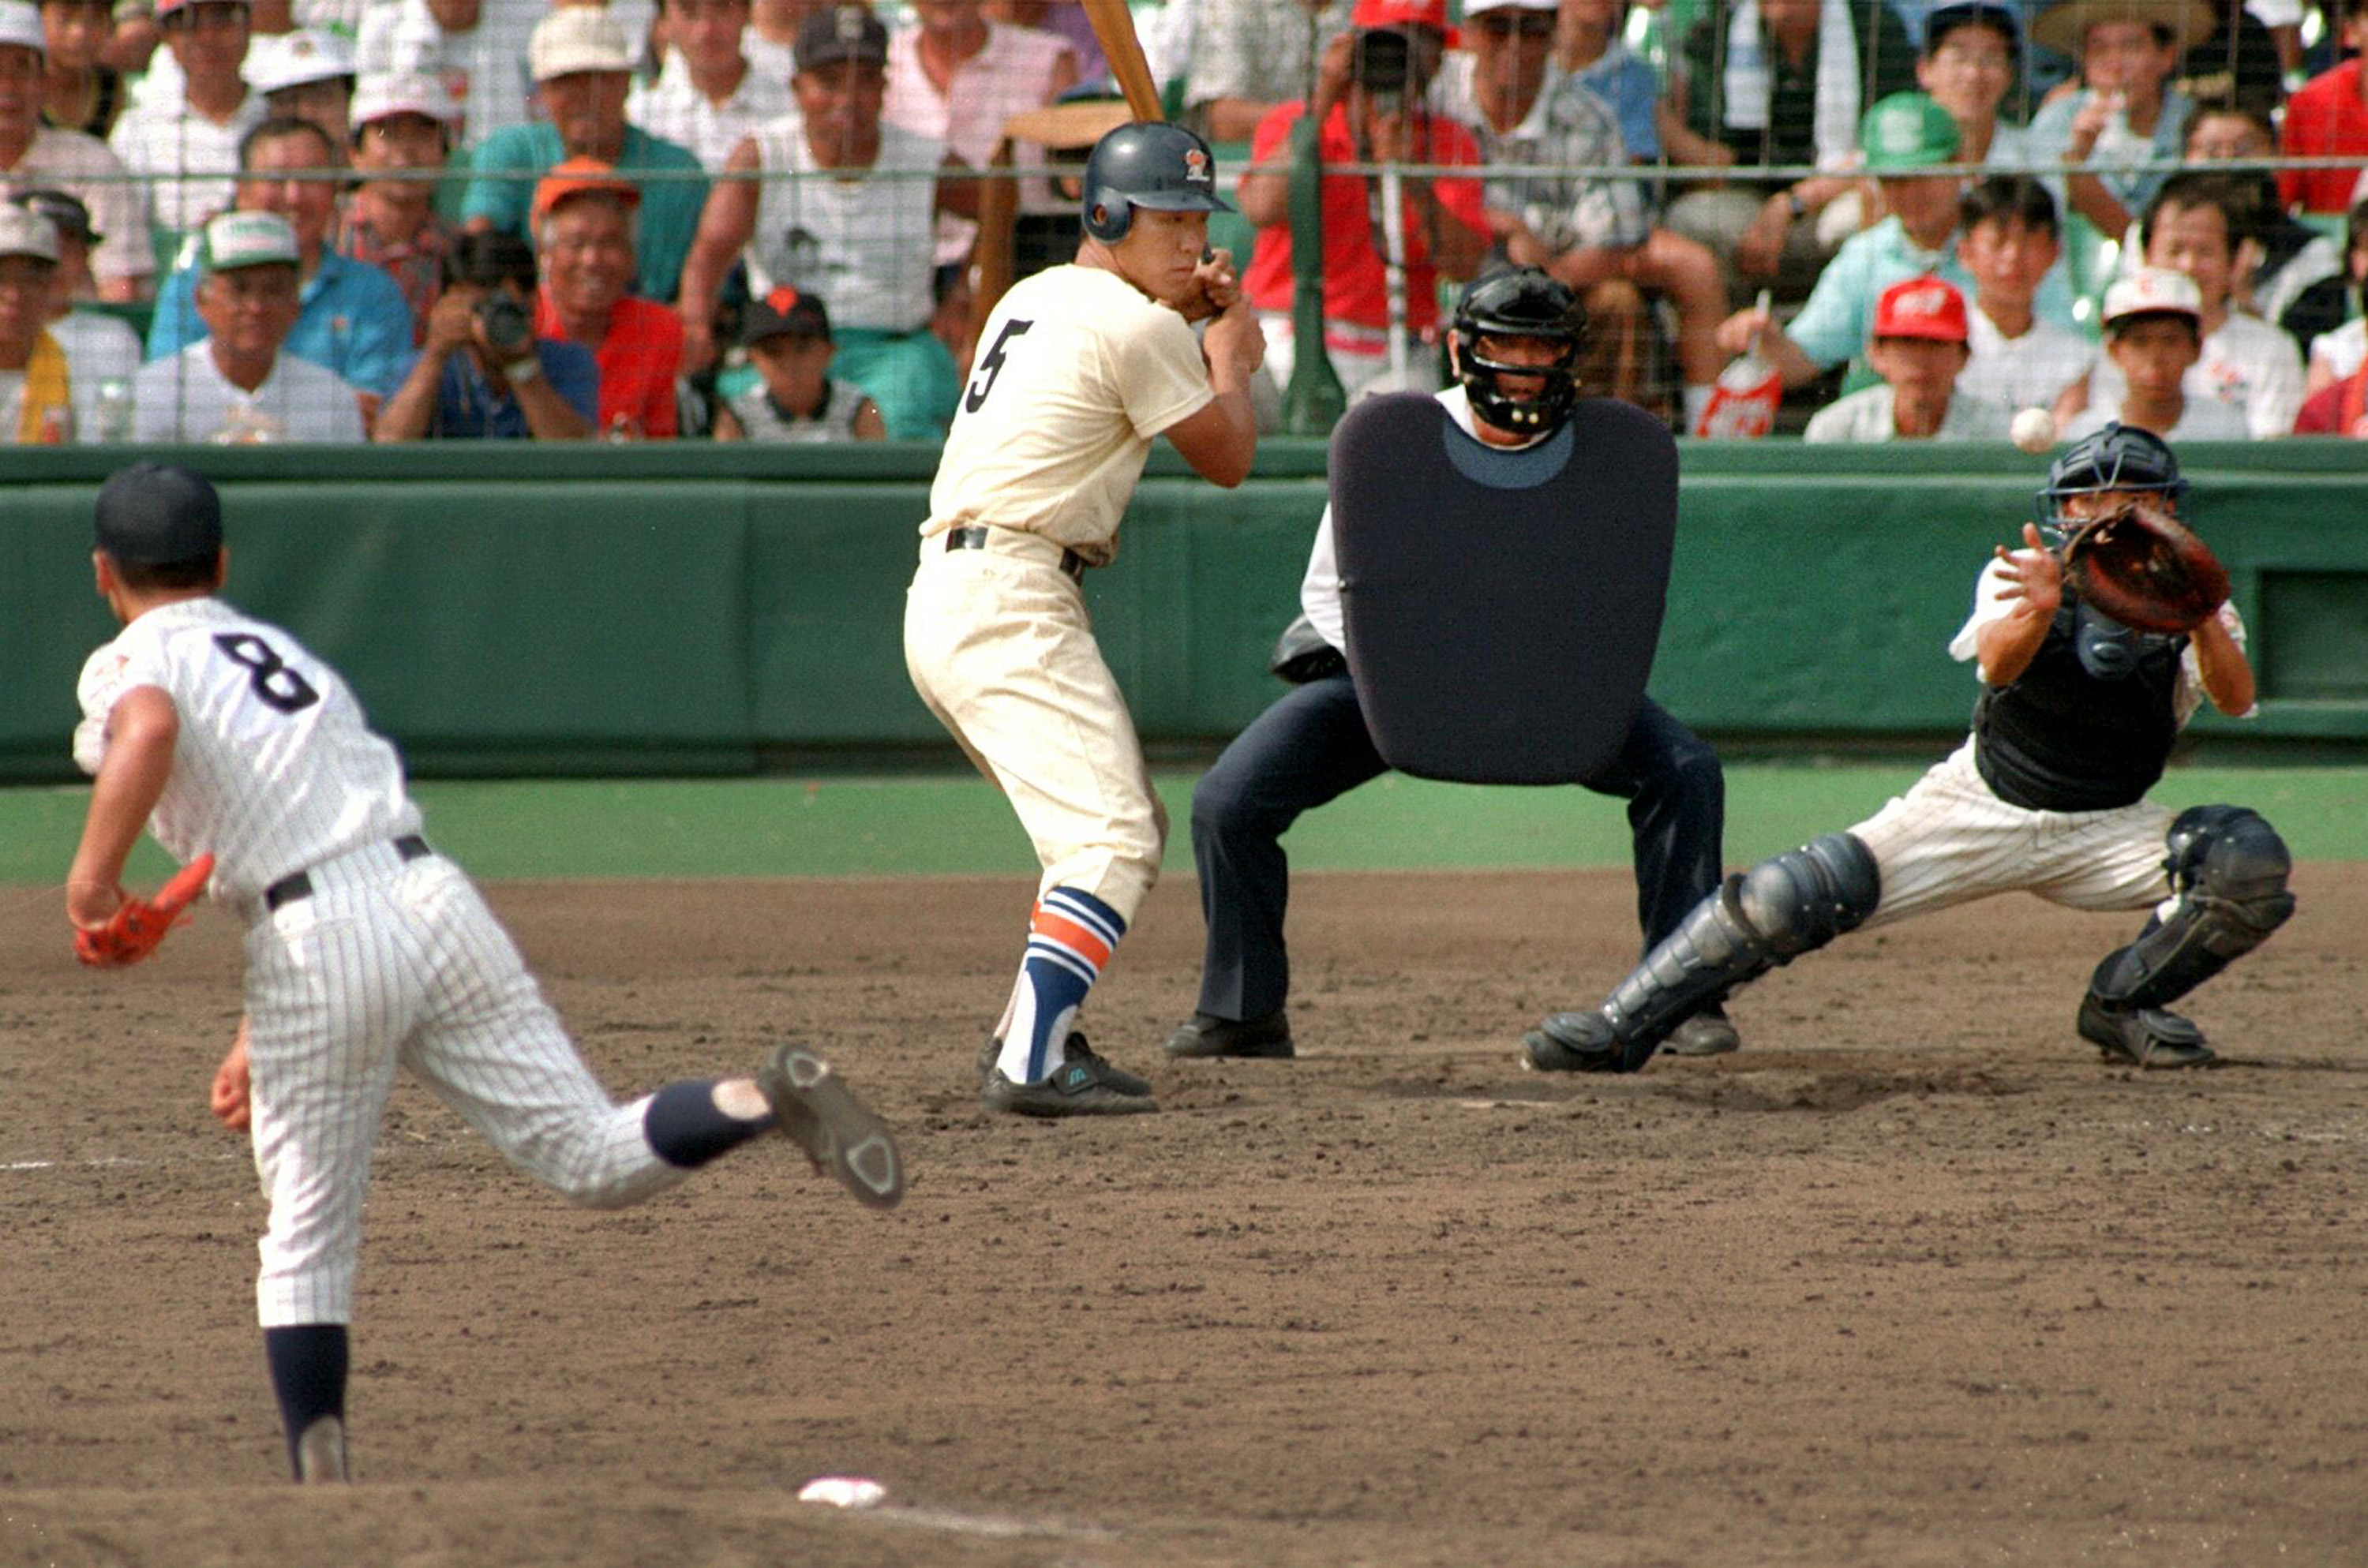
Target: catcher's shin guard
x=1784, y=906
x=2228, y=869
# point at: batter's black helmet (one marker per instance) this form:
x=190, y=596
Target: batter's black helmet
x=1520, y=302
x=2119, y=456
x=1148, y=163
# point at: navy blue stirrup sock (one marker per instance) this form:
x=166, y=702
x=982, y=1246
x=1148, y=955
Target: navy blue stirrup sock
x=308, y=1374
x=683, y=1125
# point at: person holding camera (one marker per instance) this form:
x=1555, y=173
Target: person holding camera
x=1442, y=227
x=482, y=372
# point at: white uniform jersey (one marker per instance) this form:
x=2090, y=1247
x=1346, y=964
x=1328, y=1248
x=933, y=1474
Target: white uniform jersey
x=1078, y=374
x=274, y=770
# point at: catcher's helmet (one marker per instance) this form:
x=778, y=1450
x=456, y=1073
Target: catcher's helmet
x=2119, y=456
x=1519, y=303
x=1148, y=163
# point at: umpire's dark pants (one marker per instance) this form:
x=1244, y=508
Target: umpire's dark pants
x=1313, y=746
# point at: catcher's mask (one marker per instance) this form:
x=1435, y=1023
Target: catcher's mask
x=1519, y=303
x=2119, y=456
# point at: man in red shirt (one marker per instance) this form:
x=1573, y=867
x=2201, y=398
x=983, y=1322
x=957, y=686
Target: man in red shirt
x=2328, y=118
x=584, y=229
x=1370, y=106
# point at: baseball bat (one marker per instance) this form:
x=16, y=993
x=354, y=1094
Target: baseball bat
x=1114, y=27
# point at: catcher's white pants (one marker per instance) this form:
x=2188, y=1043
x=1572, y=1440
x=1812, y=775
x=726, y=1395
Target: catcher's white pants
x=400, y=963
x=1949, y=840
x=1000, y=648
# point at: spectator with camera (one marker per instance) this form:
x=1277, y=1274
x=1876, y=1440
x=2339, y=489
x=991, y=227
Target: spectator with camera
x=821, y=223
x=584, y=214
x=582, y=61
x=484, y=373
x=1442, y=224
x=237, y=385
x=1595, y=235
x=35, y=154
x=795, y=398
x=351, y=317
x=391, y=222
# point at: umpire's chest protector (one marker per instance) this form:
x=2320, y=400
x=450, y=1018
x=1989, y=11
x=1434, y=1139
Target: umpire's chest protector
x=1502, y=607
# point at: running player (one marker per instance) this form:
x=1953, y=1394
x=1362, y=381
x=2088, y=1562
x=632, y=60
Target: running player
x=365, y=949
x=2048, y=795
x=1083, y=366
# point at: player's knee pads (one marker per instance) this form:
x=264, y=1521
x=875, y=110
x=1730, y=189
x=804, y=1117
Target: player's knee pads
x=2228, y=868
x=1782, y=908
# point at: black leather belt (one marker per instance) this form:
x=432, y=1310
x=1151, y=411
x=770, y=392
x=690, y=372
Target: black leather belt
x=1072, y=563
x=296, y=884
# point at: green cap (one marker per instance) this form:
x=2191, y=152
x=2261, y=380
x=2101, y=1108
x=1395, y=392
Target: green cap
x=1907, y=130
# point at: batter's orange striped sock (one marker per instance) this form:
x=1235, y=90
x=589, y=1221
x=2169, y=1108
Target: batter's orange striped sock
x=1070, y=938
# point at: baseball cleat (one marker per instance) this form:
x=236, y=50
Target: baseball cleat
x=840, y=1134
x=1084, y=1084
x=1708, y=1033
x=1204, y=1035
x=1572, y=1043
x=321, y=1453
x=2143, y=1037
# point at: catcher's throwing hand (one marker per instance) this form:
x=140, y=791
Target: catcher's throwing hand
x=227, y=1099
x=2033, y=575
x=2141, y=566
x=137, y=925
x=1215, y=286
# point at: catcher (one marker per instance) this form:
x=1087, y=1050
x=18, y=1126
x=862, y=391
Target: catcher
x=366, y=949
x=2075, y=722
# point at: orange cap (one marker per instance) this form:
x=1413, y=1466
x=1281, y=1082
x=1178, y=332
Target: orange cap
x=576, y=175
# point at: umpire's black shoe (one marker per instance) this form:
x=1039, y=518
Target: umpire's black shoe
x=1708, y=1033
x=2143, y=1037
x=1206, y=1034
x=1084, y=1084
x=1575, y=1042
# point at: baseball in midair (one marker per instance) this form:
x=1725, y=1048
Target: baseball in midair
x=2033, y=430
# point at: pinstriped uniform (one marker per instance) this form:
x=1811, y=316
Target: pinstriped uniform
x=1950, y=839
x=389, y=963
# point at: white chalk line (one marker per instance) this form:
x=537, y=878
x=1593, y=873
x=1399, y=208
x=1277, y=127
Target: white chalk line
x=989, y=1525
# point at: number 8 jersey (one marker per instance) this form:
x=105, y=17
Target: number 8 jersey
x=1078, y=372
x=274, y=768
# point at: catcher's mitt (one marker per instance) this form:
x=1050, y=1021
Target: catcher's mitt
x=2141, y=566
x=139, y=924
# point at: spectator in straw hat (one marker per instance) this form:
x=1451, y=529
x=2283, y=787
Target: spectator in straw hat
x=2125, y=112
x=582, y=61
x=237, y=384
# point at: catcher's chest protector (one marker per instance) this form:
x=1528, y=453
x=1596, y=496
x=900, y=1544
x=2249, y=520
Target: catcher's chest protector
x=1502, y=608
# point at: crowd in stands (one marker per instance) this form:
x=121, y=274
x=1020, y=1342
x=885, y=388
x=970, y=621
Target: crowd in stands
x=759, y=219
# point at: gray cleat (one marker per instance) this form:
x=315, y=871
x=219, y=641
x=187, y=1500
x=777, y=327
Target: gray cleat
x=2143, y=1037
x=321, y=1453
x=1084, y=1084
x=1707, y=1033
x=840, y=1134
x=1572, y=1043
x=1204, y=1035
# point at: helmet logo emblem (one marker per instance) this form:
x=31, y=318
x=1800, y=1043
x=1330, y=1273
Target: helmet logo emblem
x=1196, y=165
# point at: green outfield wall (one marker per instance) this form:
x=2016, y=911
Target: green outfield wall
x=513, y=608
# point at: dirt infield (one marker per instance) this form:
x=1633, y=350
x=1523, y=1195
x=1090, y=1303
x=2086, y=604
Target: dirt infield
x=1913, y=1279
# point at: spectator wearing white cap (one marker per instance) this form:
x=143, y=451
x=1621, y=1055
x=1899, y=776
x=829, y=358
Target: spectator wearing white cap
x=189, y=147
x=99, y=348
x=2153, y=335
x=351, y=317
x=235, y=385
x=400, y=127
x=36, y=391
x=476, y=48
x=82, y=90
x=305, y=75
x=33, y=154
x=582, y=61
x=708, y=96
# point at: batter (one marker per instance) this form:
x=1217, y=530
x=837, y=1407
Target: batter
x=366, y=950
x=1080, y=369
x=2048, y=795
